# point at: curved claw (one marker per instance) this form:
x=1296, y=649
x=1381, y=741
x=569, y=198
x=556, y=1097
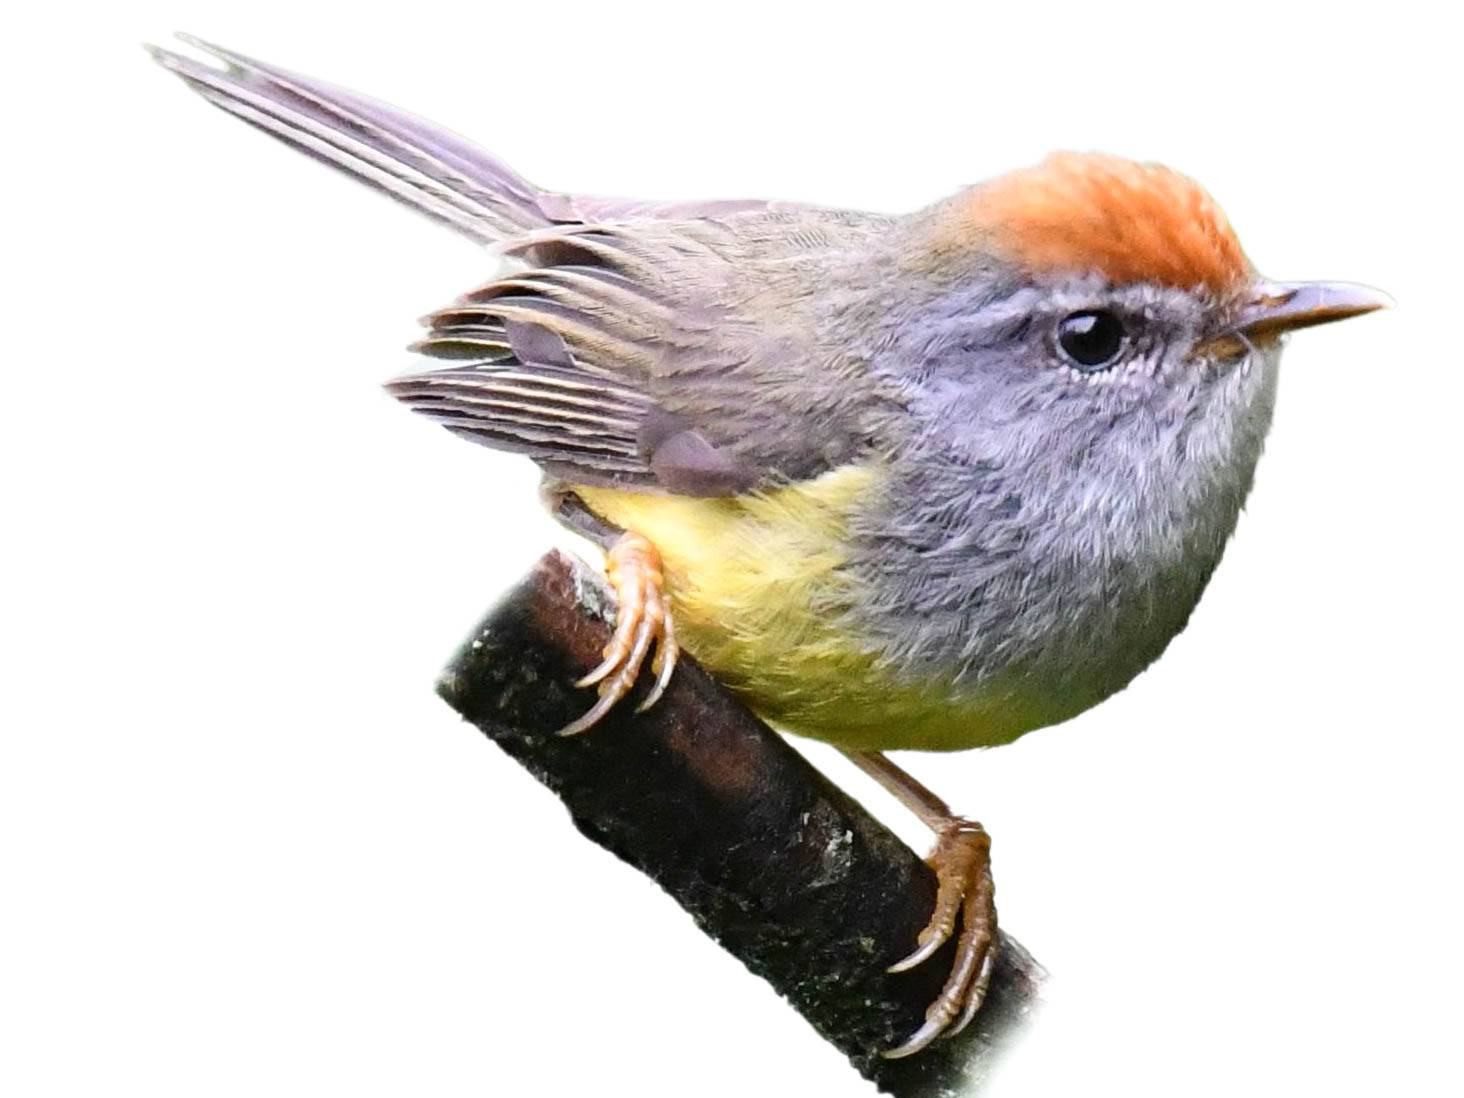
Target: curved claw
x=977, y=995
x=592, y=717
x=610, y=663
x=627, y=570
x=921, y=954
x=643, y=619
x=919, y=1040
x=962, y=864
x=645, y=632
x=664, y=664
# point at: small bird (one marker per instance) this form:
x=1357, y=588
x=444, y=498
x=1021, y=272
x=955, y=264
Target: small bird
x=900, y=482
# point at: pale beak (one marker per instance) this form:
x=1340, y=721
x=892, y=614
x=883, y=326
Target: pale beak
x=1279, y=307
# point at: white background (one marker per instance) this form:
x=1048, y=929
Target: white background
x=245, y=850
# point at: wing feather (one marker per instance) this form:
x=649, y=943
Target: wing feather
x=626, y=355
x=659, y=345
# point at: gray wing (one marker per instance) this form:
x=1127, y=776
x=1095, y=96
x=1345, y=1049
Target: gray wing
x=675, y=347
x=686, y=357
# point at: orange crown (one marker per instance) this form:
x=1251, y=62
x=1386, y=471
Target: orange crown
x=1129, y=222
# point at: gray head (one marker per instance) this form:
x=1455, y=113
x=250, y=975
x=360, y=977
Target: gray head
x=1086, y=296
x=1090, y=361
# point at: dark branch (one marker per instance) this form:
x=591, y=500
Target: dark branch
x=773, y=861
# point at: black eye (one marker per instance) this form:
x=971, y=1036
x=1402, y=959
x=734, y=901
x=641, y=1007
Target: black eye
x=1092, y=338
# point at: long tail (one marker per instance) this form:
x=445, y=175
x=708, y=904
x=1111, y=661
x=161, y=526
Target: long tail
x=421, y=164
x=428, y=168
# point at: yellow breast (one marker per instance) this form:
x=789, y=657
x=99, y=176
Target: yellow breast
x=765, y=600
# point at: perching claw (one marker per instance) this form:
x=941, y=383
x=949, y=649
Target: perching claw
x=643, y=618
x=962, y=863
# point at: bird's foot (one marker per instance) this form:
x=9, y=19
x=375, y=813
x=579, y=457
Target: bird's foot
x=643, y=617
x=962, y=863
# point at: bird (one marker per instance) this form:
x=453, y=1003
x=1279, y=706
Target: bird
x=925, y=482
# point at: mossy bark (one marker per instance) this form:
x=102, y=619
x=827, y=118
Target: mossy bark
x=773, y=861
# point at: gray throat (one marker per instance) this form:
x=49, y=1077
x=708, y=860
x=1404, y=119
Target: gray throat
x=1062, y=571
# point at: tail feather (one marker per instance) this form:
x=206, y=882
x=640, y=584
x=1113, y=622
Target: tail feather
x=414, y=161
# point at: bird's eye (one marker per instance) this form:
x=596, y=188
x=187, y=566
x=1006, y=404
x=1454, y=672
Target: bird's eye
x=1092, y=338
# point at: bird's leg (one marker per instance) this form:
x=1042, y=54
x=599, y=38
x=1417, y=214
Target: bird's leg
x=962, y=863
x=642, y=618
